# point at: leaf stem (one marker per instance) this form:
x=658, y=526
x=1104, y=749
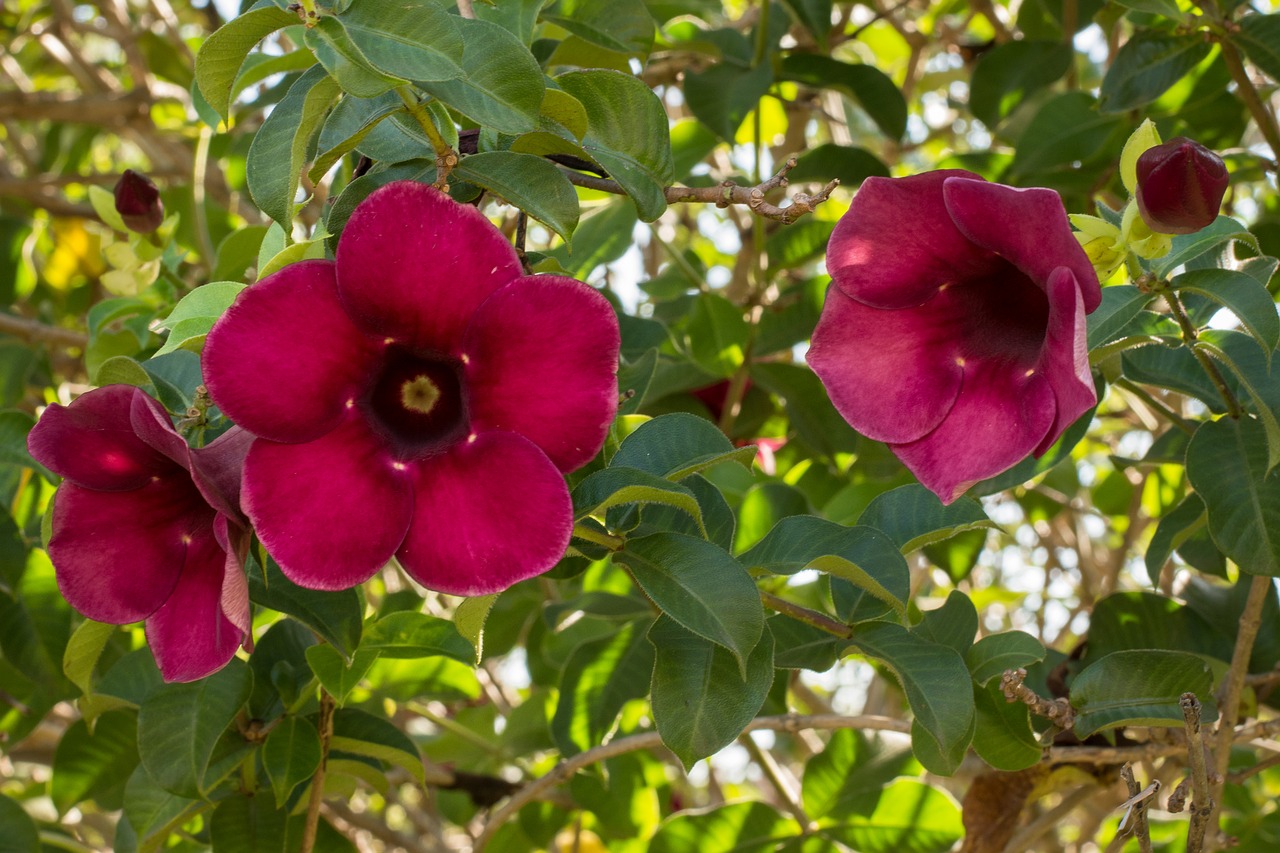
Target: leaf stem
x=446, y=157
x=821, y=621
x=598, y=537
x=1189, y=337
x=327, y=707
x=1249, y=94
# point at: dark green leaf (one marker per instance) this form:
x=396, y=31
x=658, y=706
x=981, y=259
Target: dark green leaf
x=86, y=764
x=814, y=15
x=1004, y=737
x=1259, y=36
x=677, y=445
x=503, y=85
x=222, y=53
x=912, y=516
x=335, y=616
x=1128, y=621
x=851, y=165
x=722, y=96
x=531, y=183
x=1147, y=65
x=717, y=334
x=699, y=586
x=1139, y=688
x=346, y=64
x=1227, y=465
x=866, y=85
x=18, y=832
x=179, y=727
x=1240, y=293
x=1174, y=528
x=600, y=676
x=994, y=653
x=1066, y=129
x=290, y=755
x=1120, y=304
x=619, y=485
x=622, y=25
x=337, y=675
x=702, y=697
x=1250, y=366
x=752, y=827
x=408, y=39
x=1008, y=73
x=850, y=775
x=361, y=733
x=1187, y=247
x=279, y=147
x=911, y=817
x=416, y=635
x=953, y=624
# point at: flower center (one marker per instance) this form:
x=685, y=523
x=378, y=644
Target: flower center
x=418, y=402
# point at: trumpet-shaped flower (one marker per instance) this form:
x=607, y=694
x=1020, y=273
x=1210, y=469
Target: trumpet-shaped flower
x=144, y=527
x=954, y=329
x=418, y=397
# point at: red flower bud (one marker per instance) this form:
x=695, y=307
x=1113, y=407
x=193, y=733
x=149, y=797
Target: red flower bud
x=138, y=202
x=1180, y=186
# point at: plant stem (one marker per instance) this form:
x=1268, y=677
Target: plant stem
x=821, y=621
x=1152, y=402
x=327, y=707
x=1189, y=336
x=1232, y=687
x=1202, y=801
x=446, y=157
x=1249, y=94
x=598, y=537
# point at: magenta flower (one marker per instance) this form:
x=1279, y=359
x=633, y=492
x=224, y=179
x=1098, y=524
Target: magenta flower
x=954, y=328
x=138, y=202
x=1180, y=186
x=144, y=527
x=419, y=397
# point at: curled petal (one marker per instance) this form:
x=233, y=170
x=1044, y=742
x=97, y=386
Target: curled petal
x=999, y=418
x=907, y=214
x=151, y=421
x=491, y=512
x=331, y=511
x=1064, y=362
x=190, y=635
x=542, y=361
x=93, y=443
x=118, y=554
x=217, y=469
x=413, y=265
x=285, y=358
x=1027, y=227
x=234, y=541
x=893, y=375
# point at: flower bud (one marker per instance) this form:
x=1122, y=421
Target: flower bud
x=138, y=202
x=1180, y=186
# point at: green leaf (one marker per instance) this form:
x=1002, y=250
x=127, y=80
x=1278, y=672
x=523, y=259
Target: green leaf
x=83, y=651
x=702, y=697
x=627, y=134
x=762, y=507
x=722, y=96
x=699, y=586
x=290, y=755
x=814, y=15
x=18, y=833
x=937, y=685
x=1007, y=74
x=1174, y=367
x=1004, y=737
x=153, y=811
x=849, y=776
x=347, y=65
x=622, y=25
x=910, y=817
x=600, y=676
x=798, y=243
x=677, y=445
x=122, y=370
x=195, y=314
x=1126, y=621
x=1139, y=688
x=407, y=39
x=222, y=53
x=1167, y=8
x=913, y=517
x=1147, y=65
x=1241, y=294
x=179, y=726
x=994, y=653
x=1249, y=365
x=1227, y=465
x=851, y=165
x=1120, y=304
x=337, y=675
x=416, y=635
x=470, y=616
x=304, y=250
x=1174, y=528
x=279, y=147
x=619, y=485
x=360, y=733
x=749, y=827
x=865, y=84
x=953, y=624
x=337, y=617
x=502, y=84
x=717, y=334
x=1187, y=247
x=88, y=763
x=531, y=183
x=1066, y=129
x=1259, y=37
x=242, y=822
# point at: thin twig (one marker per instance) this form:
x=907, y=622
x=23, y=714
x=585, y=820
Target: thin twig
x=1249, y=94
x=563, y=771
x=1134, y=822
x=327, y=707
x=33, y=330
x=1059, y=711
x=1026, y=838
x=1202, y=800
x=821, y=621
x=726, y=193
x=773, y=773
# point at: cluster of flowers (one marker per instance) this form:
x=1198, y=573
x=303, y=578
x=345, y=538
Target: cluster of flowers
x=417, y=397
x=390, y=403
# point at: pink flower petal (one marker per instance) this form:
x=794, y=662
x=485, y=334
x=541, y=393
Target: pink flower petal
x=218, y=467
x=234, y=541
x=893, y=375
x=928, y=250
x=190, y=635
x=999, y=418
x=151, y=422
x=331, y=511
x=118, y=554
x=1027, y=227
x=93, y=443
x=413, y=265
x=1065, y=359
x=285, y=358
x=542, y=361
x=487, y=514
